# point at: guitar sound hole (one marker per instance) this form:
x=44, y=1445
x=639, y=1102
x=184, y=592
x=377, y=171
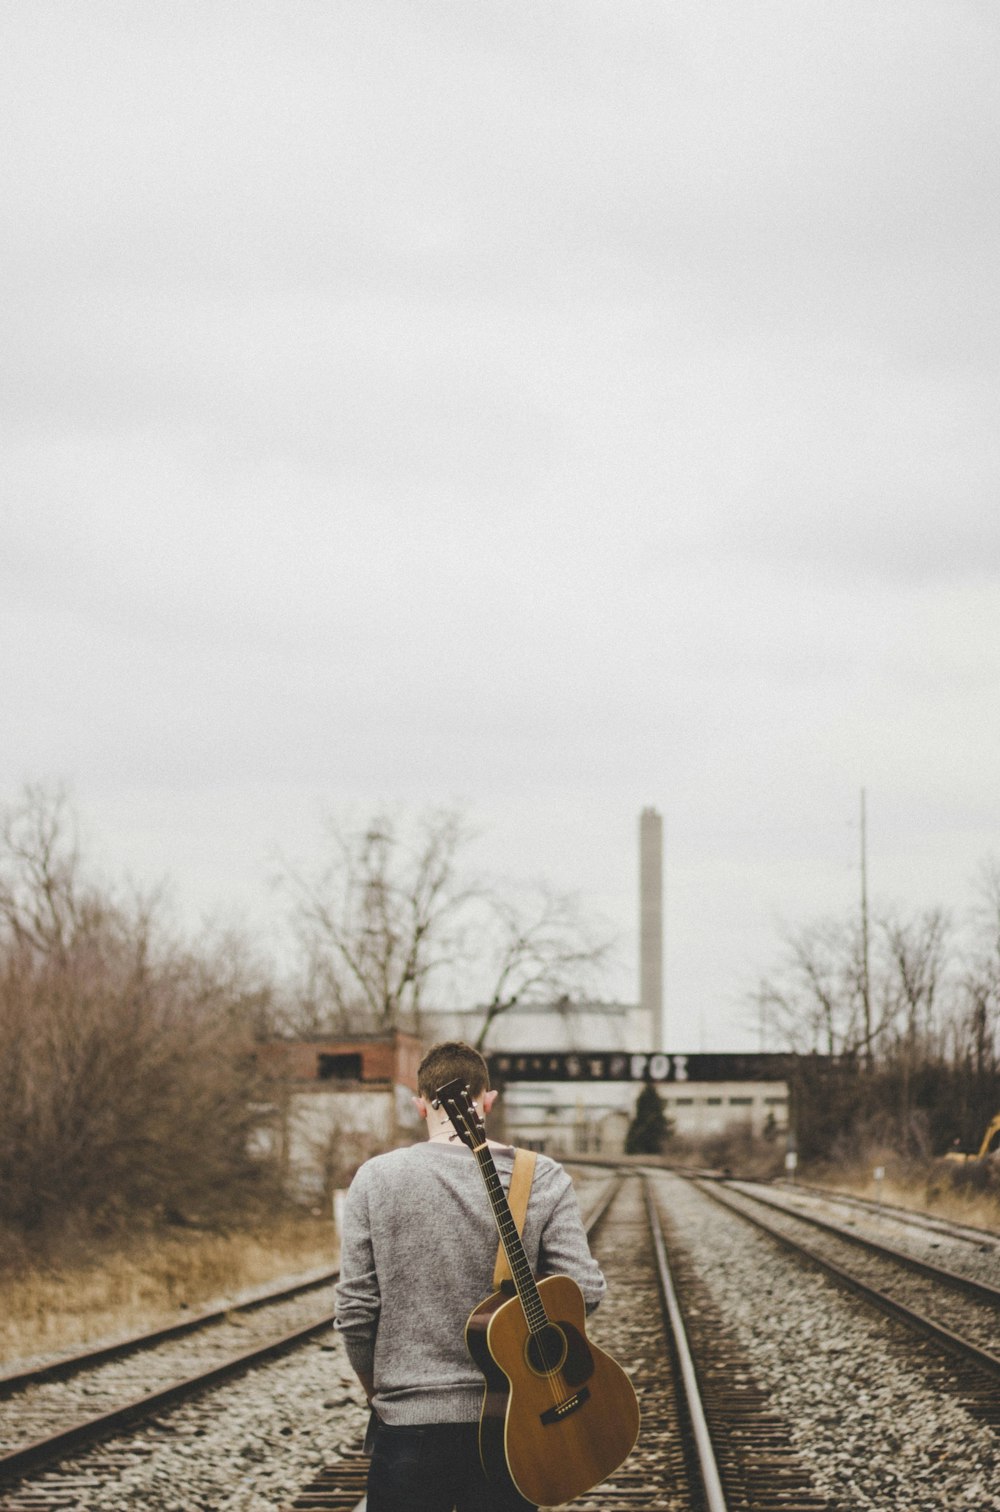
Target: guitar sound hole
x=546, y=1350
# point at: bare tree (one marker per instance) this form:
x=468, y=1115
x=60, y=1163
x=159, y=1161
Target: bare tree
x=126, y=1089
x=815, y=1000
x=389, y=918
x=42, y=900
x=382, y=918
x=543, y=950
x=979, y=1017
x=912, y=968
x=916, y=958
x=818, y=997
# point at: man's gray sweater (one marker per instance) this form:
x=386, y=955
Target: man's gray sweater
x=417, y=1252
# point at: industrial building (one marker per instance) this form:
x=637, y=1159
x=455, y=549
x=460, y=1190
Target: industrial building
x=570, y=1070
x=612, y=1048
x=336, y=1100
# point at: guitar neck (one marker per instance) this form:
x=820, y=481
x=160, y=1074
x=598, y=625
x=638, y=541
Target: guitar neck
x=524, y=1281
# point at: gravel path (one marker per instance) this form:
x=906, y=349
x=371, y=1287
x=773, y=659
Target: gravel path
x=864, y=1415
x=49, y=1406
x=247, y=1447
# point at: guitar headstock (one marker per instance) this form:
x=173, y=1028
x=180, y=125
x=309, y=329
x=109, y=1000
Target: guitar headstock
x=456, y=1100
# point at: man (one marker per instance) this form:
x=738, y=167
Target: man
x=418, y=1248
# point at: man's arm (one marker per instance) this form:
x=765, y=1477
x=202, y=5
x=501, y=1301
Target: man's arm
x=358, y=1298
x=564, y=1248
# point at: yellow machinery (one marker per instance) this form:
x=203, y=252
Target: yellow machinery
x=992, y=1130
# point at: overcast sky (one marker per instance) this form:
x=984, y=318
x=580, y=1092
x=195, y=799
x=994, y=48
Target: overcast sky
x=553, y=408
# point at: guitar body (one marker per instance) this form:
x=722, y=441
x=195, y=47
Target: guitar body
x=559, y=1415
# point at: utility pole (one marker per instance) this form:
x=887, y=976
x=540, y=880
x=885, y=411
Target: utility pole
x=865, y=974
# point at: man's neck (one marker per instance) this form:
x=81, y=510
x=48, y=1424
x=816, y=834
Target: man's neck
x=445, y=1134
x=442, y=1131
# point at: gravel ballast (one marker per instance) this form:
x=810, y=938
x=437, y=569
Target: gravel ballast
x=863, y=1413
x=248, y=1446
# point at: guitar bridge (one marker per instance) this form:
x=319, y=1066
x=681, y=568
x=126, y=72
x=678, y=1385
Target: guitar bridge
x=563, y=1409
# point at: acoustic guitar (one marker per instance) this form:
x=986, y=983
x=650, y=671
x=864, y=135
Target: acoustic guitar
x=559, y=1415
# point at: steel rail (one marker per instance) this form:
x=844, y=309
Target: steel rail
x=30, y=1456
x=87, y=1430
x=601, y=1203
x=913, y=1217
x=981, y=1290
x=919, y=1322
x=70, y=1365
x=715, y=1500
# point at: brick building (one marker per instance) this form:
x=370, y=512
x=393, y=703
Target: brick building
x=338, y=1100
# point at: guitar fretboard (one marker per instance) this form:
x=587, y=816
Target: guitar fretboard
x=524, y=1281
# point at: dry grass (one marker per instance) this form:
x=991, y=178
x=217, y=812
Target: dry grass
x=933, y=1189
x=108, y=1290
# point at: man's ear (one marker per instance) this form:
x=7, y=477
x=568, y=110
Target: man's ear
x=489, y=1098
x=420, y=1103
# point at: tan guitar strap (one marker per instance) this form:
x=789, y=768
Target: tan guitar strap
x=517, y=1201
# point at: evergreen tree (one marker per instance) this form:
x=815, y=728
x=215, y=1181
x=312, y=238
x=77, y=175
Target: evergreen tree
x=650, y=1128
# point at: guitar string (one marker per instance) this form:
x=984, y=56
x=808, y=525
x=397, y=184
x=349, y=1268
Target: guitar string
x=536, y=1330
x=488, y=1169
x=479, y=1145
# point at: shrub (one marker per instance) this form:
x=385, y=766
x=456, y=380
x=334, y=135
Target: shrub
x=126, y=1089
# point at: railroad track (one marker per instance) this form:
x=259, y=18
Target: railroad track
x=74, y=1427
x=66, y=1366
x=960, y=1316
x=713, y=1437
x=973, y=1268
x=55, y=1409
x=709, y=1440
x=873, y=1207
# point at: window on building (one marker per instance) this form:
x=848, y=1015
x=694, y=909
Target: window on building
x=714, y=1102
x=684, y=1102
x=741, y=1102
x=338, y=1067
x=776, y=1102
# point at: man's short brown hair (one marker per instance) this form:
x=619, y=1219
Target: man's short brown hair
x=448, y=1060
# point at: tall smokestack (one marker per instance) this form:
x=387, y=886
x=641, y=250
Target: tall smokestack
x=651, y=924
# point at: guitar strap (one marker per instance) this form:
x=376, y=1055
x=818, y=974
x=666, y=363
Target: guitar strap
x=517, y=1201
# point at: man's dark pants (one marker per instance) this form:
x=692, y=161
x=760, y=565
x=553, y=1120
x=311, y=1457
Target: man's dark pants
x=434, y=1468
